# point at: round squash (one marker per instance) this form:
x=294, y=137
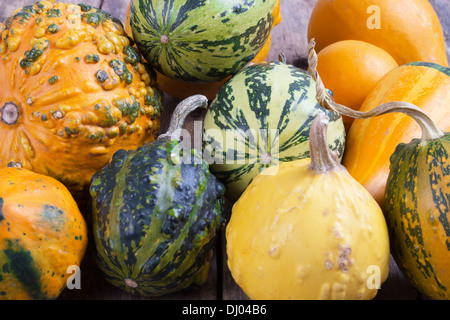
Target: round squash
x=307, y=230
x=417, y=210
x=409, y=30
x=203, y=41
x=42, y=234
x=371, y=142
x=156, y=212
x=259, y=118
x=73, y=92
x=182, y=89
x=351, y=69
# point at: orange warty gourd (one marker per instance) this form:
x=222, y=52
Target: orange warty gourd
x=73, y=92
x=351, y=69
x=371, y=142
x=409, y=30
x=181, y=89
x=43, y=236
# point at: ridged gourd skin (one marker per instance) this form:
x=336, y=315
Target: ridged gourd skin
x=182, y=89
x=426, y=85
x=156, y=211
x=409, y=30
x=277, y=98
x=302, y=235
x=74, y=91
x=43, y=236
x=200, y=41
x=417, y=209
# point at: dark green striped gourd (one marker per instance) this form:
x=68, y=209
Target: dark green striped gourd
x=200, y=40
x=260, y=117
x=156, y=211
x=417, y=210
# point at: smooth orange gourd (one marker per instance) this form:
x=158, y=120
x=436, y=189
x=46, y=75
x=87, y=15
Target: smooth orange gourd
x=181, y=89
x=351, y=69
x=73, y=92
x=409, y=30
x=371, y=142
x=43, y=236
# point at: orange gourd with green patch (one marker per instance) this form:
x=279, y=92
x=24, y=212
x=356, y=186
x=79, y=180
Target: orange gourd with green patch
x=73, y=92
x=42, y=234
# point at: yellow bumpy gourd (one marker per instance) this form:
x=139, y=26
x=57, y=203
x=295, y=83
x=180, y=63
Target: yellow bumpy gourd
x=307, y=230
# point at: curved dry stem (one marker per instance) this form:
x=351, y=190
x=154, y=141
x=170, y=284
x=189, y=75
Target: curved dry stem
x=182, y=110
x=323, y=159
x=429, y=129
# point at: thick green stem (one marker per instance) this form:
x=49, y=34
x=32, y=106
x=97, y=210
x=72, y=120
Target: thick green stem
x=183, y=109
x=429, y=129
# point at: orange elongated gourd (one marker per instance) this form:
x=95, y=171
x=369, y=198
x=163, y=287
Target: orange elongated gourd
x=371, y=142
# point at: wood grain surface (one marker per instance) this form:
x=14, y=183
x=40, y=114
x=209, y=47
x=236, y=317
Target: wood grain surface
x=289, y=37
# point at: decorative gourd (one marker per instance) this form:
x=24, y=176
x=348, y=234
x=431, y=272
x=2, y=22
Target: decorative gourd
x=417, y=210
x=409, y=30
x=371, y=142
x=182, y=89
x=351, y=69
x=307, y=230
x=43, y=235
x=416, y=194
x=73, y=92
x=156, y=211
x=203, y=41
x=422, y=84
x=259, y=118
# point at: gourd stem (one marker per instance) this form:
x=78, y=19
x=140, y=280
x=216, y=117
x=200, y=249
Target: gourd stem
x=182, y=110
x=323, y=159
x=429, y=128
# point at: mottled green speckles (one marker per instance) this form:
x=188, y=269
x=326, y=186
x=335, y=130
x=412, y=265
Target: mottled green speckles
x=85, y=7
x=120, y=68
x=130, y=107
x=33, y=55
x=21, y=264
x=53, y=79
x=53, y=13
x=131, y=56
x=92, y=58
x=101, y=76
x=51, y=212
x=53, y=28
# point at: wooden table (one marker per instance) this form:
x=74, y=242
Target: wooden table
x=289, y=38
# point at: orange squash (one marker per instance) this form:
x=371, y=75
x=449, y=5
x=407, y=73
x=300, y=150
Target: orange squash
x=351, y=69
x=43, y=236
x=407, y=29
x=73, y=92
x=371, y=142
x=181, y=89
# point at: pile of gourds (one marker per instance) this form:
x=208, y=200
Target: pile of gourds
x=316, y=211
